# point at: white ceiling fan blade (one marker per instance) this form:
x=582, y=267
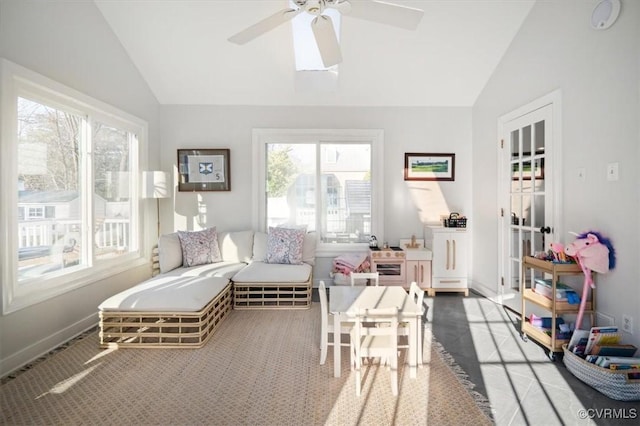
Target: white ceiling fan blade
x=326, y=40
x=386, y=13
x=343, y=6
x=264, y=26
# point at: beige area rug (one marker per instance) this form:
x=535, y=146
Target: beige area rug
x=259, y=368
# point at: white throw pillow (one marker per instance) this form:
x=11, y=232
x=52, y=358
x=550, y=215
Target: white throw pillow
x=259, y=247
x=309, y=248
x=169, y=252
x=236, y=246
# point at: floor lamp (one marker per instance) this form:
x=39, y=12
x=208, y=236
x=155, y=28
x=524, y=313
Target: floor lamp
x=155, y=184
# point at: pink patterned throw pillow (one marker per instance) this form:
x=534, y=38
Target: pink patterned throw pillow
x=199, y=247
x=284, y=245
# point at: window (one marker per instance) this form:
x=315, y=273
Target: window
x=326, y=180
x=70, y=198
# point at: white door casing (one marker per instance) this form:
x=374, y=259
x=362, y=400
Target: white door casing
x=528, y=188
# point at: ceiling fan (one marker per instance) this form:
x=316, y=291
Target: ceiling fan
x=322, y=25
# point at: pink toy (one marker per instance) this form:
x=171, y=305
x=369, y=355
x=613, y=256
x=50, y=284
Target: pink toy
x=593, y=252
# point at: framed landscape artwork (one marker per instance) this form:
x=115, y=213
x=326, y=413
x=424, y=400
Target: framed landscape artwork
x=429, y=166
x=203, y=170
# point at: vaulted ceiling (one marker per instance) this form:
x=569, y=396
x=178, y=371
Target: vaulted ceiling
x=182, y=51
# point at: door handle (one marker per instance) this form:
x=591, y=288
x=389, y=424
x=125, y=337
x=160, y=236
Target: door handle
x=421, y=274
x=545, y=229
x=447, y=255
x=454, y=254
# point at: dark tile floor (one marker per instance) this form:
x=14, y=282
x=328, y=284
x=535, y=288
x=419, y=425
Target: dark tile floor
x=524, y=386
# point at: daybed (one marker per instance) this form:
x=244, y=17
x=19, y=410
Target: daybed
x=182, y=306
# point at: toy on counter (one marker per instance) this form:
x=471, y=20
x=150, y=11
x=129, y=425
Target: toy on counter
x=593, y=252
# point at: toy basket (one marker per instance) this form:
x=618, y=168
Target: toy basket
x=455, y=221
x=621, y=385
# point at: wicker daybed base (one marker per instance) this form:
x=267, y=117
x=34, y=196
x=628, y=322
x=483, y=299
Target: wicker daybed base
x=130, y=329
x=270, y=295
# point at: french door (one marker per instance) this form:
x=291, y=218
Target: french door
x=528, y=206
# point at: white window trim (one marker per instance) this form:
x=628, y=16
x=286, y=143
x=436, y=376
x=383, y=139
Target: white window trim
x=262, y=137
x=16, y=81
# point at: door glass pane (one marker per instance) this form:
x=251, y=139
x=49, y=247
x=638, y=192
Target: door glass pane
x=540, y=241
x=516, y=209
x=526, y=210
x=516, y=271
x=516, y=243
x=526, y=142
x=515, y=144
x=112, y=201
x=538, y=174
x=538, y=202
x=49, y=231
x=539, y=147
x=526, y=243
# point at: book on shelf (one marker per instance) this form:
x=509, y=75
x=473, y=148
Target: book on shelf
x=564, y=293
x=602, y=336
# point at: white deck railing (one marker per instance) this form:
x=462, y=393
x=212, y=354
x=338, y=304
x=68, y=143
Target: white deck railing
x=112, y=233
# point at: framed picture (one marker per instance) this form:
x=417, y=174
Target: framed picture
x=429, y=166
x=528, y=172
x=203, y=170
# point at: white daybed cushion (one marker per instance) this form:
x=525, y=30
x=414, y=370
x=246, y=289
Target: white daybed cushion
x=261, y=272
x=180, y=290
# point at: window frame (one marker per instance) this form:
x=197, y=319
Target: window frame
x=262, y=137
x=17, y=81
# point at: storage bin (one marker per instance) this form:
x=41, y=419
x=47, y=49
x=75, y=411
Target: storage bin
x=455, y=221
x=621, y=385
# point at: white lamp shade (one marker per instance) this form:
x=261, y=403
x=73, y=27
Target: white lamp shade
x=155, y=184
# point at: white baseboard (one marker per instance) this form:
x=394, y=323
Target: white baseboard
x=36, y=350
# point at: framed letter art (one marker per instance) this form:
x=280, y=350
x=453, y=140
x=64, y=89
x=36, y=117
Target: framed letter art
x=429, y=166
x=203, y=170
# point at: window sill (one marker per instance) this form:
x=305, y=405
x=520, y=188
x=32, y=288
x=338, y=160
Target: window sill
x=25, y=295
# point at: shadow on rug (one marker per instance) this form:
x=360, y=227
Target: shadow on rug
x=261, y=367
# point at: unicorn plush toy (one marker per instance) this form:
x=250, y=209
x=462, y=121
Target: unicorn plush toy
x=593, y=252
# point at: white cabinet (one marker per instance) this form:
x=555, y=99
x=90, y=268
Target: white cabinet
x=449, y=266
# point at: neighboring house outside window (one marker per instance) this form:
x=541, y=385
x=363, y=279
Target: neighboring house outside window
x=344, y=164
x=77, y=194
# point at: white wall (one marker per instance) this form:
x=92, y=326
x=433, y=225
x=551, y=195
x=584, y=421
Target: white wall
x=69, y=42
x=598, y=74
x=407, y=204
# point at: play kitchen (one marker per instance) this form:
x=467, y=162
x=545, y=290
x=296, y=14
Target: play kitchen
x=402, y=264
